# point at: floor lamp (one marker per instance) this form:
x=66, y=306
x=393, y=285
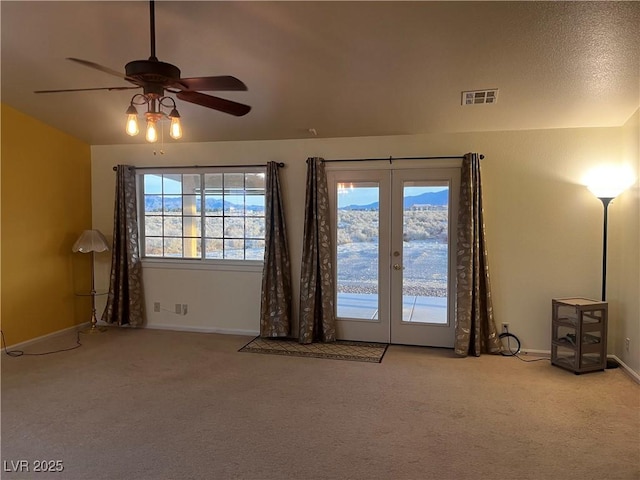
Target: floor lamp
x=605, y=202
x=606, y=192
x=92, y=241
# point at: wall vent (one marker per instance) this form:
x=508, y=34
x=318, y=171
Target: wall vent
x=476, y=97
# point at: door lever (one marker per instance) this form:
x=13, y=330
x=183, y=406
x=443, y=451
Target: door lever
x=397, y=266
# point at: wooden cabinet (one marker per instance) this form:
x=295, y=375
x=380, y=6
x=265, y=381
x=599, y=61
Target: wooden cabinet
x=579, y=334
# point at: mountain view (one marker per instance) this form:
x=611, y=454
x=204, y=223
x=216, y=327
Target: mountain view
x=428, y=198
x=153, y=203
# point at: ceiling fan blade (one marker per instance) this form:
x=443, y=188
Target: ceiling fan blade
x=85, y=89
x=221, y=83
x=220, y=104
x=102, y=68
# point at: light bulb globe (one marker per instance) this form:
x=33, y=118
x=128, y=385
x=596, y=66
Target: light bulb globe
x=152, y=132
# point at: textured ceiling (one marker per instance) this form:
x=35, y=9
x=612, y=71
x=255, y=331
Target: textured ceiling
x=342, y=68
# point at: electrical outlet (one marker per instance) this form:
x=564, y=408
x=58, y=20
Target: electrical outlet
x=156, y=307
x=178, y=308
x=505, y=327
x=627, y=343
x=184, y=308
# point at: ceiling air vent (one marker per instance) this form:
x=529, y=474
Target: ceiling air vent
x=476, y=97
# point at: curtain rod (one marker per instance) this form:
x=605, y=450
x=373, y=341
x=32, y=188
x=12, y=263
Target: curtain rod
x=280, y=164
x=391, y=159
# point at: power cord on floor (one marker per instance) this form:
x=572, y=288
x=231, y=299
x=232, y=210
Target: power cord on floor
x=532, y=360
x=514, y=351
x=20, y=353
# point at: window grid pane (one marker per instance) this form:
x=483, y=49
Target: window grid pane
x=225, y=219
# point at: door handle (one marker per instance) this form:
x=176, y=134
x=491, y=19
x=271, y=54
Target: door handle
x=397, y=266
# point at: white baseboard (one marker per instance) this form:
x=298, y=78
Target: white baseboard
x=225, y=331
x=45, y=337
x=627, y=369
x=527, y=351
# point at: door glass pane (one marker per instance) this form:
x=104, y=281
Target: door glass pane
x=425, y=245
x=358, y=227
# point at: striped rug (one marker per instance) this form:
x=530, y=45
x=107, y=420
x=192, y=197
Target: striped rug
x=339, y=350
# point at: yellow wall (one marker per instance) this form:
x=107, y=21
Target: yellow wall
x=46, y=204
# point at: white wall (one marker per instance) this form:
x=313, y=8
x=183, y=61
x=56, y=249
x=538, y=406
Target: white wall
x=544, y=228
x=624, y=256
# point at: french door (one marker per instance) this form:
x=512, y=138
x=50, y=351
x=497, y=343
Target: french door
x=394, y=244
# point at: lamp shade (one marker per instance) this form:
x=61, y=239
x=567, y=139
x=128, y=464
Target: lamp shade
x=609, y=181
x=606, y=191
x=90, y=241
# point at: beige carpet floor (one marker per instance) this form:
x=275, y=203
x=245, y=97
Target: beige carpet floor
x=150, y=404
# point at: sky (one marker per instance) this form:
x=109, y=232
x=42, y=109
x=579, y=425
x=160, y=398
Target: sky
x=366, y=195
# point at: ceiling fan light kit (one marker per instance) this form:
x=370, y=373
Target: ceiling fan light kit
x=153, y=115
x=156, y=77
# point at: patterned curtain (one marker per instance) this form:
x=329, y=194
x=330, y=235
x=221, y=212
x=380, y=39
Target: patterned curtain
x=476, y=330
x=317, y=314
x=124, y=303
x=275, y=306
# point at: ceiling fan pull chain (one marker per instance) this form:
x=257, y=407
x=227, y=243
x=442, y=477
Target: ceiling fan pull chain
x=155, y=152
x=161, y=138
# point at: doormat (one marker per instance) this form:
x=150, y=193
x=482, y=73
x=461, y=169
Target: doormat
x=339, y=350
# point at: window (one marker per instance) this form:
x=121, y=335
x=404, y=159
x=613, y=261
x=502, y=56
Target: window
x=199, y=214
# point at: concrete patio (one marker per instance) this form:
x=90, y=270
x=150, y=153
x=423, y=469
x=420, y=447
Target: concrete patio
x=414, y=308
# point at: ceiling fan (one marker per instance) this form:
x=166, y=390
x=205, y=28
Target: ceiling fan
x=156, y=77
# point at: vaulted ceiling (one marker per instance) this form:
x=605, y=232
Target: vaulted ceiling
x=341, y=68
